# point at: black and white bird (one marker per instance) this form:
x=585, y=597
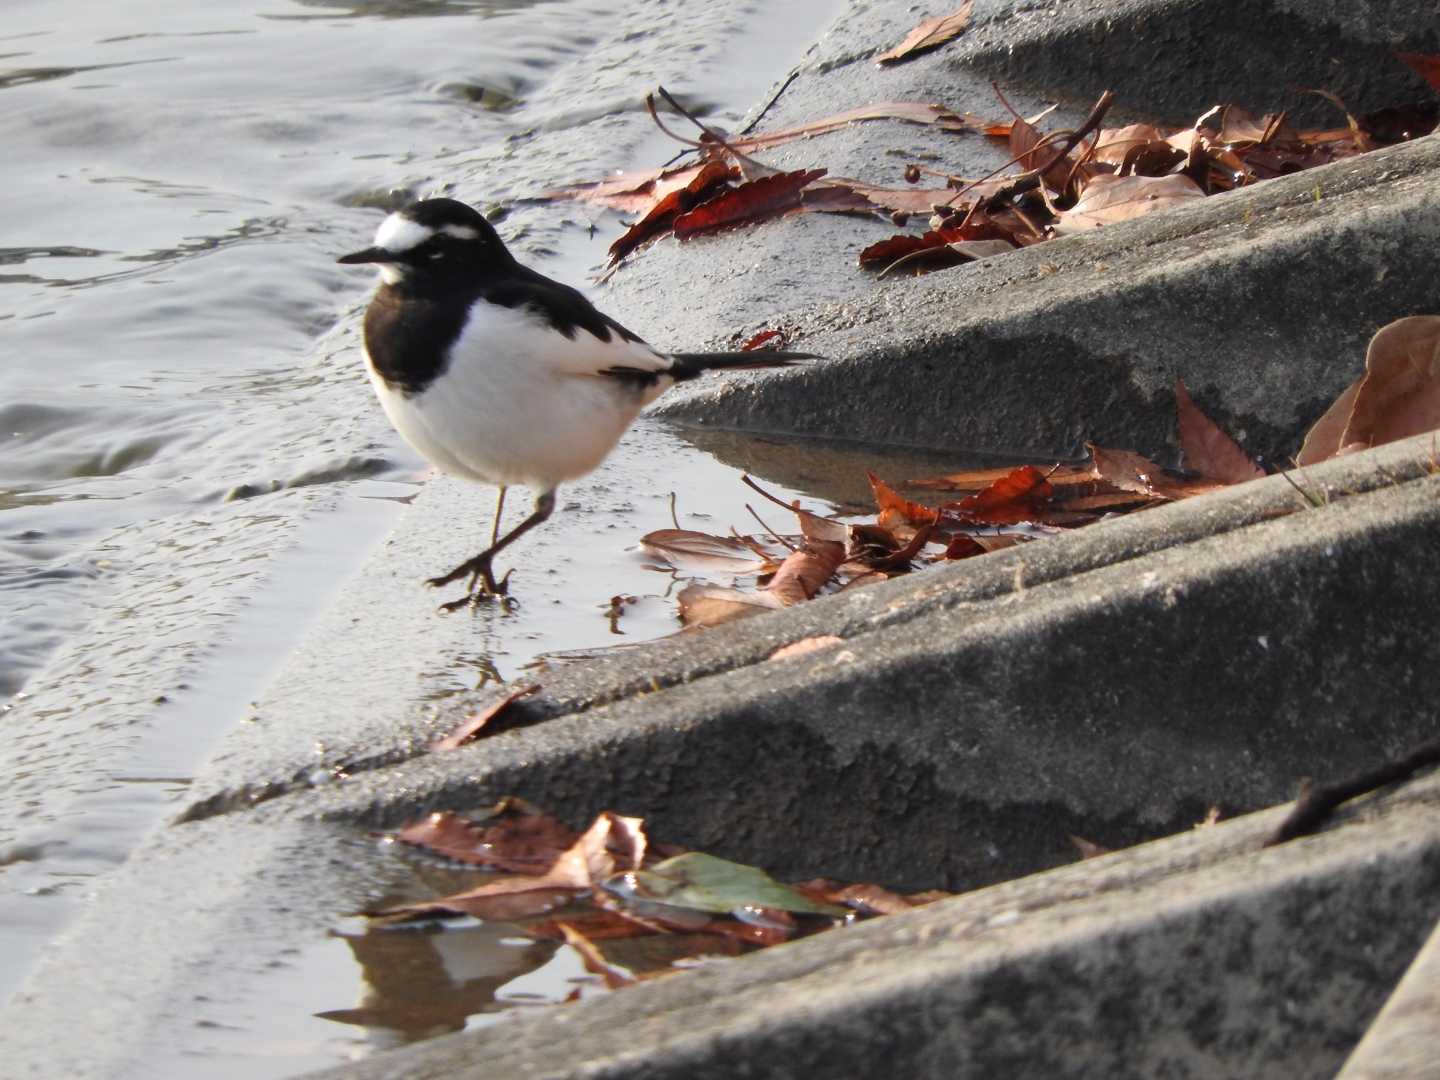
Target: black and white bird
x=496, y=373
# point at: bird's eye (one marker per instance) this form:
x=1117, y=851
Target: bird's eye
x=436, y=255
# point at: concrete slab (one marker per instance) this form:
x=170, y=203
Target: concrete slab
x=1115, y=682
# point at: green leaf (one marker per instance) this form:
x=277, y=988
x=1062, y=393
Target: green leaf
x=704, y=883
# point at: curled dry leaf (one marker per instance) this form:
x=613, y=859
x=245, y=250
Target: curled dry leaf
x=805, y=571
x=663, y=215
x=896, y=509
x=1400, y=393
x=930, y=34
x=1207, y=449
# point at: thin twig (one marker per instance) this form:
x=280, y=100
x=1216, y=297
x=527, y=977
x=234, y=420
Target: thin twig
x=1315, y=806
x=776, y=97
x=769, y=531
x=759, y=166
x=674, y=518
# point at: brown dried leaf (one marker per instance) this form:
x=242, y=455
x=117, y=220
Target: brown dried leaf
x=1325, y=437
x=1206, y=448
x=515, y=836
x=474, y=722
x=930, y=34
x=714, y=605
x=1088, y=848
x=1114, y=145
x=1111, y=199
x=1400, y=393
x=687, y=550
x=756, y=200
x=805, y=571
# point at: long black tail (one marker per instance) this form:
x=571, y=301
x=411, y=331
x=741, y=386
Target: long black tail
x=693, y=364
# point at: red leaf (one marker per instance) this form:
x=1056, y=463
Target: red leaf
x=1017, y=496
x=663, y=214
x=1207, y=449
x=1425, y=65
x=892, y=505
x=758, y=199
x=762, y=337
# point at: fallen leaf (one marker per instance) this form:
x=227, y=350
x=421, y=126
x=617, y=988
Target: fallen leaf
x=1326, y=436
x=1400, y=393
x=1425, y=65
x=763, y=338
x=930, y=34
x=663, y=215
x=805, y=646
x=1206, y=448
x=689, y=551
x=805, y=571
x=753, y=201
x=870, y=899
x=1017, y=496
x=629, y=192
x=1088, y=848
x=1108, y=200
x=473, y=723
x=613, y=844
x=715, y=605
x=513, y=836
x=895, y=507
x=1114, y=145
x=703, y=882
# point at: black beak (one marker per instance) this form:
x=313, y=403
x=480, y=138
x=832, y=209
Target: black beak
x=369, y=255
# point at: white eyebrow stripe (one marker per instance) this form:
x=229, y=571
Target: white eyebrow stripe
x=398, y=233
x=461, y=232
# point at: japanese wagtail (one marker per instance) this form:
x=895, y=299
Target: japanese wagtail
x=498, y=374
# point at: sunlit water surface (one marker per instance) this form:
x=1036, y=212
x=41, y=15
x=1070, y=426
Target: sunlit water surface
x=192, y=463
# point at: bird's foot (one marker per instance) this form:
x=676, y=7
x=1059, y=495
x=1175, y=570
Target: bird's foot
x=483, y=586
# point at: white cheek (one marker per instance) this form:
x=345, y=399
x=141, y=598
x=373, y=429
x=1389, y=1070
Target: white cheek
x=391, y=273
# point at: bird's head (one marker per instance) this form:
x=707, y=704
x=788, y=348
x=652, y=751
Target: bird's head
x=434, y=240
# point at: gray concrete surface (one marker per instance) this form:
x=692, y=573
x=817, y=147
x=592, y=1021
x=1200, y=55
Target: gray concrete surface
x=1402, y=1040
x=1114, y=682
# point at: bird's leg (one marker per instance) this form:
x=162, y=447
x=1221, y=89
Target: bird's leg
x=478, y=568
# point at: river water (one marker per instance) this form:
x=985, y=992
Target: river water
x=193, y=463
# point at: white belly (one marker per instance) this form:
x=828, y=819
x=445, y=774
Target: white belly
x=517, y=406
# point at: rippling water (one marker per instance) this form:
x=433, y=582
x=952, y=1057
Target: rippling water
x=192, y=462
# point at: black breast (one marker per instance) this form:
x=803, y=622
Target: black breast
x=408, y=337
